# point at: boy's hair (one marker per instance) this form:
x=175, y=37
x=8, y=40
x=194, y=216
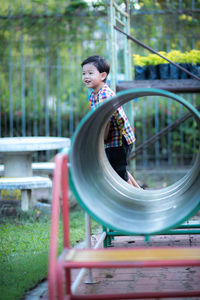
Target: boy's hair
x=99, y=62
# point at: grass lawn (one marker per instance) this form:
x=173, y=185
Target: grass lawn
x=24, y=246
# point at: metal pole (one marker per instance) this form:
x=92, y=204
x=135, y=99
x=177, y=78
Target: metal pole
x=35, y=113
x=10, y=86
x=157, y=129
x=46, y=83
x=22, y=82
x=58, y=94
x=169, y=134
x=155, y=52
x=161, y=133
x=83, y=270
x=59, y=128
x=35, y=129
x=112, y=45
x=88, y=242
x=144, y=133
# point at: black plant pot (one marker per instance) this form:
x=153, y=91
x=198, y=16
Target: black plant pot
x=194, y=69
x=198, y=69
x=140, y=72
x=152, y=72
x=163, y=71
x=173, y=72
x=182, y=74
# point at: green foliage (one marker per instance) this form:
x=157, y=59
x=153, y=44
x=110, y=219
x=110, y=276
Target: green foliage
x=49, y=39
x=165, y=25
x=75, y=6
x=23, y=254
x=139, y=60
x=50, y=7
x=193, y=56
x=44, y=45
x=176, y=56
x=153, y=59
x=24, y=247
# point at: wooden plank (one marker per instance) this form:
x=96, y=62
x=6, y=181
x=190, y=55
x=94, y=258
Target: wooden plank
x=125, y=255
x=174, y=85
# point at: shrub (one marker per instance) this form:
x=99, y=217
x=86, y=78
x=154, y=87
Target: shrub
x=139, y=60
x=193, y=56
x=175, y=56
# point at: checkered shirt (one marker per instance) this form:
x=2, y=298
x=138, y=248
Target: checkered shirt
x=119, y=124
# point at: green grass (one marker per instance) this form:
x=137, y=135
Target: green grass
x=24, y=246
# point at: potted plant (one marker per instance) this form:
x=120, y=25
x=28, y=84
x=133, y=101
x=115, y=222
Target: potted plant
x=193, y=60
x=155, y=67
x=152, y=69
x=184, y=63
x=177, y=57
x=140, y=67
x=163, y=66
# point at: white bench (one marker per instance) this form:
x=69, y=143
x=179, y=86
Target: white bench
x=45, y=168
x=25, y=184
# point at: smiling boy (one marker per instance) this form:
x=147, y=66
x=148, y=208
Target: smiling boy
x=119, y=136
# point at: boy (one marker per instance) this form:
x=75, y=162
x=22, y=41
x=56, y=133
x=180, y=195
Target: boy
x=119, y=136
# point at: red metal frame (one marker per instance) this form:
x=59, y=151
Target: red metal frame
x=59, y=275
x=59, y=198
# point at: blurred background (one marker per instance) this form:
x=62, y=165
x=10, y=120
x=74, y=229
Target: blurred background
x=43, y=43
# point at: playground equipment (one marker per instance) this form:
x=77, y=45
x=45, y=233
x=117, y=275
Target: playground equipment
x=117, y=205
x=103, y=194
x=119, y=22
x=114, y=203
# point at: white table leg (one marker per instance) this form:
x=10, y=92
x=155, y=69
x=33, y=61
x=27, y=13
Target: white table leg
x=17, y=164
x=26, y=202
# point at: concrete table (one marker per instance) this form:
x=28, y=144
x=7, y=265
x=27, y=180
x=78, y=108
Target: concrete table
x=17, y=152
x=17, y=158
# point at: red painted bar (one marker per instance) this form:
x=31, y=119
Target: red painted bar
x=65, y=202
x=54, y=229
x=59, y=277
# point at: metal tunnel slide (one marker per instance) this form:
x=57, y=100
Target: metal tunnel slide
x=109, y=199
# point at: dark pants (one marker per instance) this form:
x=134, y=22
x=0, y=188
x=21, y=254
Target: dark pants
x=118, y=158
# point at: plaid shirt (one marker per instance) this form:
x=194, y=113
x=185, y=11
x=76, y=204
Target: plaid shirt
x=119, y=124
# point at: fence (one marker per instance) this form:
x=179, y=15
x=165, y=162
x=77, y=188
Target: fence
x=41, y=92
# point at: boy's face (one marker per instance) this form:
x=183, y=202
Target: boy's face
x=92, y=78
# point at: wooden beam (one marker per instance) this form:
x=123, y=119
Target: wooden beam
x=173, y=85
